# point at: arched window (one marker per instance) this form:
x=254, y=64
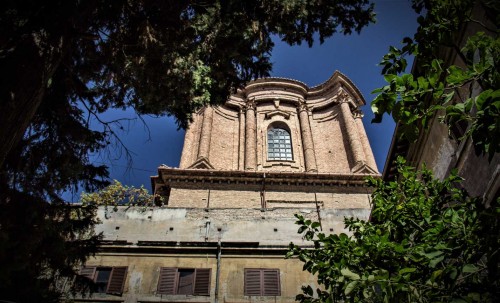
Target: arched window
x=279, y=144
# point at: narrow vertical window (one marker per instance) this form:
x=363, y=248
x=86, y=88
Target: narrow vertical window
x=279, y=144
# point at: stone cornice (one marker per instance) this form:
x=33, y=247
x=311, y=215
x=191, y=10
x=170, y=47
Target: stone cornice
x=292, y=91
x=192, y=248
x=346, y=83
x=273, y=113
x=173, y=175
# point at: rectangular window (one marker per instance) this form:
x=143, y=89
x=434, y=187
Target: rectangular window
x=107, y=279
x=262, y=282
x=184, y=281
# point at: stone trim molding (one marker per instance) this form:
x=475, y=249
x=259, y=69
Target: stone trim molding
x=167, y=175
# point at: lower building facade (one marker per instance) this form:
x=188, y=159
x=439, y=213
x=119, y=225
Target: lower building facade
x=212, y=251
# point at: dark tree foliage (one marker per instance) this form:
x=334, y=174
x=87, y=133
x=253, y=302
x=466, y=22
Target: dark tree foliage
x=159, y=57
x=41, y=244
x=63, y=63
x=426, y=241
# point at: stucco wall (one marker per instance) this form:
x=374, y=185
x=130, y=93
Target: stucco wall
x=273, y=226
x=143, y=273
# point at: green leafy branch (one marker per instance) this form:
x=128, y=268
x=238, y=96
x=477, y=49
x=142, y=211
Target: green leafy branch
x=427, y=241
x=117, y=194
x=464, y=93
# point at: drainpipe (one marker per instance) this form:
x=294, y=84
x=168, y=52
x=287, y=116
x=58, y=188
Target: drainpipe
x=217, y=273
x=208, y=199
x=263, y=202
x=318, y=210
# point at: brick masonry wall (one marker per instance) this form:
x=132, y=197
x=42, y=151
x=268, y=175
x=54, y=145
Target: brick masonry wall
x=282, y=101
x=329, y=142
x=224, y=139
x=243, y=196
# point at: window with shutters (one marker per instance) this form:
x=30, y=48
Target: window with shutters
x=107, y=279
x=184, y=281
x=262, y=282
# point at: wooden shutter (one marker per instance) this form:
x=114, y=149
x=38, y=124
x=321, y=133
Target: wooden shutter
x=117, y=280
x=88, y=272
x=202, y=282
x=167, y=281
x=271, y=282
x=253, y=285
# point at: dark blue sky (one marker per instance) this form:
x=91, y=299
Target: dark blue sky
x=356, y=56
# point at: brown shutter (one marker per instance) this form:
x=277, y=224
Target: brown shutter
x=271, y=282
x=253, y=285
x=88, y=272
x=166, y=281
x=202, y=282
x=117, y=280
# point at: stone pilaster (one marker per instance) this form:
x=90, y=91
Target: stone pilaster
x=250, y=136
x=370, y=160
x=350, y=130
x=187, y=151
x=307, y=141
x=241, y=144
x=206, y=133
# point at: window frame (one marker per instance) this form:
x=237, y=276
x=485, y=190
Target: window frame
x=284, y=148
x=262, y=282
x=116, y=279
x=169, y=278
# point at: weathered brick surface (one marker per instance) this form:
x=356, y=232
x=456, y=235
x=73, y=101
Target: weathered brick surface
x=234, y=196
x=329, y=143
x=224, y=139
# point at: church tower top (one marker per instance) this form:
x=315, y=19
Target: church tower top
x=278, y=124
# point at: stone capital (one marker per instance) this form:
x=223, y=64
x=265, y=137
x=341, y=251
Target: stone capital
x=343, y=97
x=302, y=106
x=358, y=114
x=250, y=105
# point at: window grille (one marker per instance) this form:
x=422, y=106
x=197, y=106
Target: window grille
x=279, y=144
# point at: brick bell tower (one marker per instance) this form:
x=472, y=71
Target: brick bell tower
x=275, y=149
x=274, y=128
x=322, y=129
